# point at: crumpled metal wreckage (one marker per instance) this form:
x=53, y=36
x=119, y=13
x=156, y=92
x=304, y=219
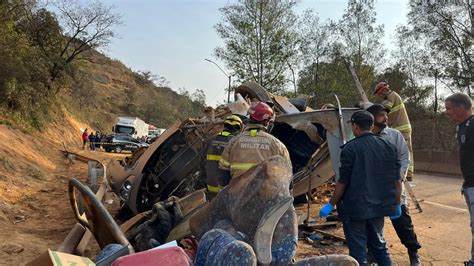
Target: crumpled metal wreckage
x=160, y=185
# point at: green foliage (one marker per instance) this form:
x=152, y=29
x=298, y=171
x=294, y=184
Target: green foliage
x=446, y=30
x=259, y=41
x=323, y=80
x=23, y=84
x=358, y=37
x=40, y=71
x=199, y=96
x=315, y=43
x=415, y=96
x=147, y=78
x=167, y=106
x=327, y=46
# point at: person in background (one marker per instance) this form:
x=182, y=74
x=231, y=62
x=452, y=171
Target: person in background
x=98, y=138
x=368, y=189
x=92, y=141
x=85, y=138
x=397, y=117
x=459, y=111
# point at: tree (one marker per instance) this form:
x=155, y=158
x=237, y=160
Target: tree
x=448, y=30
x=314, y=49
x=199, y=96
x=75, y=30
x=22, y=83
x=147, y=78
x=327, y=46
x=413, y=66
x=358, y=37
x=333, y=78
x=401, y=79
x=259, y=41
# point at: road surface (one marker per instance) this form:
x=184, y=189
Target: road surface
x=442, y=228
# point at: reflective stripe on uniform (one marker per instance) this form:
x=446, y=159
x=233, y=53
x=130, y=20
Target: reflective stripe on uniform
x=225, y=133
x=387, y=104
x=211, y=157
x=403, y=128
x=213, y=189
x=241, y=166
x=253, y=132
x=224, y=163
x=396, y=108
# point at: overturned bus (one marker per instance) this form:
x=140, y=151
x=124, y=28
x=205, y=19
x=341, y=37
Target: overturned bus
x=163, y=184
x=173, y=165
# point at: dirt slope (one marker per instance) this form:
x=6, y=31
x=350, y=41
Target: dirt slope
x=34, y=208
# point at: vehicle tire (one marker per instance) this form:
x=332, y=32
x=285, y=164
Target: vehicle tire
x=252, y=89
x=118, y=149
x=108, y=150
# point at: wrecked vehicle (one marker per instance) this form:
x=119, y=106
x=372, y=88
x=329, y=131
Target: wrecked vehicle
x=173, y=165
x=163, y=185
x=122, y=142
x=270, y=237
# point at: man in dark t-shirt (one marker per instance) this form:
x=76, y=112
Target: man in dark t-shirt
x=368, y=189
x=459, y=111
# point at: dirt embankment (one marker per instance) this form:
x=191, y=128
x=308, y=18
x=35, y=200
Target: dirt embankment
x=34, y=207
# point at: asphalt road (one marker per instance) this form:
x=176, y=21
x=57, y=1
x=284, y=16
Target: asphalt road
x=442, y=228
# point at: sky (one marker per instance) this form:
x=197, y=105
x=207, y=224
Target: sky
x=172, y=38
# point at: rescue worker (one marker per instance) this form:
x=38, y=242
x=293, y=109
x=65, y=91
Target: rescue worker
x=232, y=126
x=253, y=145
x=459, y=111
x=403, y=225
x=397, y=117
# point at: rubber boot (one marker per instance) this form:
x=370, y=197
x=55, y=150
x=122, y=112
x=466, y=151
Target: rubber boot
x=414, y=258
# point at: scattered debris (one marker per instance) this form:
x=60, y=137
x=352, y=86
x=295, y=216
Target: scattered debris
x=12, y=248
x=337, y=237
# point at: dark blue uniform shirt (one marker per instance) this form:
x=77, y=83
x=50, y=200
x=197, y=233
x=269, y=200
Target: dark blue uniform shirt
x=465, y=136
x=369, y=169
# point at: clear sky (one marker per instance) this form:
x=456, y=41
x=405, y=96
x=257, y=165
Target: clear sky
x=172, y=38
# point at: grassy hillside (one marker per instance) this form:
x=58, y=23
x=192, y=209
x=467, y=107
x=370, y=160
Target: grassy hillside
x=103, y=89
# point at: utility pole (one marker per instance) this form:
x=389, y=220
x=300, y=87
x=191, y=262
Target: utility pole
x=228, y=76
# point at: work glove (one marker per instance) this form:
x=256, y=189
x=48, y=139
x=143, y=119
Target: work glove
x=326, y=210
x=398, y=212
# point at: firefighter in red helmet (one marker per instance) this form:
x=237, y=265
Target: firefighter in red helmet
x=254, y=144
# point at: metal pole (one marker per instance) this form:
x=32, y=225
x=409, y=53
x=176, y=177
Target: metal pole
x=223, y=72
x=228, y=92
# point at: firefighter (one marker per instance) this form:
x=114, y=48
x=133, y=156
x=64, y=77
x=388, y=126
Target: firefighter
x=253, y=145
x=232, y=126
x=397, y=118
